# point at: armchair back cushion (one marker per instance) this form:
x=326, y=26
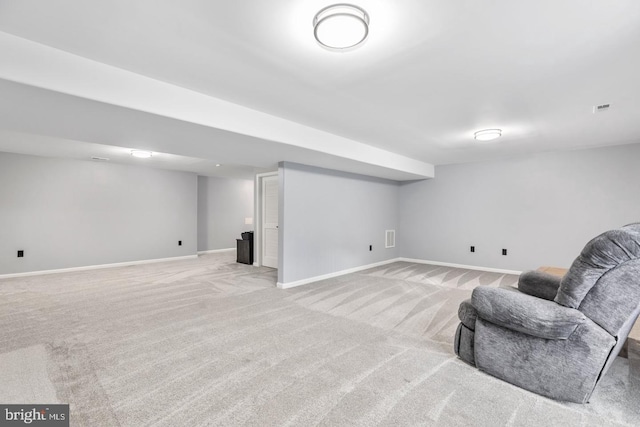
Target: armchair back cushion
x=604, y=281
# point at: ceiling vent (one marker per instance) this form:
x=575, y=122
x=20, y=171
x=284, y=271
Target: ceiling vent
x=99, y=159
x=601, y=108
x=390, y=238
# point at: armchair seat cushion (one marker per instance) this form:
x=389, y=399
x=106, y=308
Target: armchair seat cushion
x=539, y=284
x=524, y=313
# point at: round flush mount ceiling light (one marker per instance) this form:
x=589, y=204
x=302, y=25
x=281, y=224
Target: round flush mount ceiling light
x=141, y=154
x=487, y=134
x=341, y=26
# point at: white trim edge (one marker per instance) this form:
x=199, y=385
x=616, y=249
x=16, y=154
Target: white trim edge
x=417, y=261
x=332, y=275
x=215, y=251
x=468, y=267
x=96, y=267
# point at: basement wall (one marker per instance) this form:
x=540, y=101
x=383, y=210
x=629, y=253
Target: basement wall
x=73, y=213
x=223, y=206
x=328, y=220
x=542, y=208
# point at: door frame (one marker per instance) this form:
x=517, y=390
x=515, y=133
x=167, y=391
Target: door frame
x=257, y=215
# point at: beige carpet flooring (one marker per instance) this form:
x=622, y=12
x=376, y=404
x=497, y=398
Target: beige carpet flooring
x=212, y=342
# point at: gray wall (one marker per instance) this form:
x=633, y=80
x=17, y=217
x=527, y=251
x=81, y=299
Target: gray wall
x=223, y=205
x=328, y=219
x=71, y=213
x=542, y=208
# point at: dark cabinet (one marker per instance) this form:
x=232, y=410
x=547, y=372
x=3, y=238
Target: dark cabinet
x=245, y=248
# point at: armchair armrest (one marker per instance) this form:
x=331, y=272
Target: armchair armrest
x=524, y=313
x=539, y=284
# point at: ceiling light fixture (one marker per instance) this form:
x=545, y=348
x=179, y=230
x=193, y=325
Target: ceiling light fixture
x=487, y=134
x=141, y=154
x=341, y=26
x=218, y=165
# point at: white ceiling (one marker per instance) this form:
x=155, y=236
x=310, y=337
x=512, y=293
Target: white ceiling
x=429, y=75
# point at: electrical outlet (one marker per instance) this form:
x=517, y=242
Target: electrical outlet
x=20, y=254
x=504, y=252
x=473, y=248
x=179, y=242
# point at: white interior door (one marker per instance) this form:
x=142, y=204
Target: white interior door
x=270, y=221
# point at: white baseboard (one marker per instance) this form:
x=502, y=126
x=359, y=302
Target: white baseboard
x=332, y=275
x=377, y=264
x=96, y=267
x=468, y=267
x=215, y=251
x=280, y=285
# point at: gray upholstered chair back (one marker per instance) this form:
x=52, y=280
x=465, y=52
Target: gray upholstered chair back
x=559, y=350
x=604, y=281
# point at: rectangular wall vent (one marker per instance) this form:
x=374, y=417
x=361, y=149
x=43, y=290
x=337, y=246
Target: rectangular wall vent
x=601, y=108
x=390, y=238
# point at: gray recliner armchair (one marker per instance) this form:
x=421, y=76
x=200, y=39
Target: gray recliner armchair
x=557, y=337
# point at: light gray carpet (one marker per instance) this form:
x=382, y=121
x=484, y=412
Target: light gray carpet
x=212, y=342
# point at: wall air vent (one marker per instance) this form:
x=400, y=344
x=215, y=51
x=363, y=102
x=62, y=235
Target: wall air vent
x=99, y=159
x=390, y=238
x=601, y=108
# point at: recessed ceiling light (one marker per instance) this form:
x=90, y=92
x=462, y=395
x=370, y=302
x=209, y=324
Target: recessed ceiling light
x=487, y=134
x=341, y=26
x=218, y=165
x=141, y=154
